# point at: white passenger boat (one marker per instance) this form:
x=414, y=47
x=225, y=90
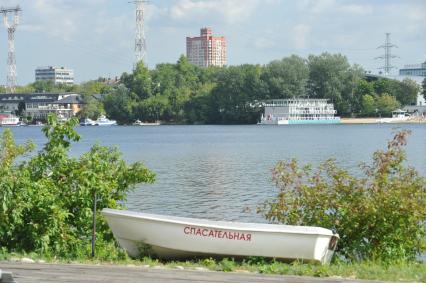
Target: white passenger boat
x=104, y=121
x=298, y=111
x=173, y=237
x=10, y=121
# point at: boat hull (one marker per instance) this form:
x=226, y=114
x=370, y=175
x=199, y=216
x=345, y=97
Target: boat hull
x=179, y=238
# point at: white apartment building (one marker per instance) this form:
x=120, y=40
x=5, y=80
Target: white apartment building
x=59, y=75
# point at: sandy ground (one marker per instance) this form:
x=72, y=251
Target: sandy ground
x=414, y=120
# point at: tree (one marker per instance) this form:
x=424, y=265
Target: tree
x=286, y=78
x=424, y=88
x=43, y=86
x=368, y=105
x=119, y=105
x=139, y=82
x=408, y=91
x=237, y=88
x=93, y=108
x=332, y=77
x=386, y=104
x=46, y=201
x=379, y=214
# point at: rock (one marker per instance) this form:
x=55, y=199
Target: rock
x=179, y=267
x=145, y=266
x=201, y=269
x=157, y=267
x=41, y=261
x=27, y=260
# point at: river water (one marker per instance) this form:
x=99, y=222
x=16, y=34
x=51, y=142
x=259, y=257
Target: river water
x=224, y=172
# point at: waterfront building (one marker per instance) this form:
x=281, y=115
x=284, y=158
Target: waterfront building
x=414, y=70
x=206, y=49
x=39, y=105
x=55, y=74
x=298, y=111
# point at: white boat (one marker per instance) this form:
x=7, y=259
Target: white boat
x=104, y=121
x=298, y=111
x=140, y=123
x=10, y=121
x=87, y=122
x=173, y=237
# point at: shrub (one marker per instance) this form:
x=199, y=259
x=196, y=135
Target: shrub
x=380, y=215
x=46, y=200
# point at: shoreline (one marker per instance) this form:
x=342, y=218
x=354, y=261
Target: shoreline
x=375, y=120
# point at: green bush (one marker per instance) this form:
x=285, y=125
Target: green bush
x=46, y=200
x=380, y=215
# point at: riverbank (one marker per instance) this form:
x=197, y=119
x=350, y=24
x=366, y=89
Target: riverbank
x=413, y=120
x=128, y=269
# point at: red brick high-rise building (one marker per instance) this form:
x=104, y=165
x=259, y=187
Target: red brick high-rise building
x=206, y=49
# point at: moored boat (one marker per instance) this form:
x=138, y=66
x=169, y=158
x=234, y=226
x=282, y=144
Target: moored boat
x=104, y=121
x=173, y=237
x=87, y=122
x=9, y=121
x=298, y=111
x=140, y=123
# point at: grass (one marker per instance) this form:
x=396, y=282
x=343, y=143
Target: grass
x=369, y=270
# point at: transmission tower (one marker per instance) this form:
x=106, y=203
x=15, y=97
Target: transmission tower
x=11, y=59
x=388, y=55
x=140, y=41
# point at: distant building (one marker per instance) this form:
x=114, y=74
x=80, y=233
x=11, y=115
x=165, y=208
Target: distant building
x=206, y=49
x=55, y=74
x=414, y=70
x=39, y=105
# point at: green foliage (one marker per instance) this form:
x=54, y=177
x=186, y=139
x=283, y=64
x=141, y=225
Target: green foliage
x=332, y=77
x=368, y=105
x=407, y=94
x=286, y=78
x=46, y=201
x=378, y=216
x=424, y=88
x=386, y=104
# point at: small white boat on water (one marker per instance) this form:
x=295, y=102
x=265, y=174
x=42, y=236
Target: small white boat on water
x=140, y=123
x=104, y=121
x=87, y=122
x=173, y=237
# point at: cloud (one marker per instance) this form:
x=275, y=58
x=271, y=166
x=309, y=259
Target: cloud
x=231, y=11
x=300, y=36
x=320, y=7
x=262, y=43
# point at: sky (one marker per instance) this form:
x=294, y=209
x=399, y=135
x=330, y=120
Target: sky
x=95, y=38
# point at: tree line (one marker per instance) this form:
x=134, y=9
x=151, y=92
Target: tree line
x=184, y=93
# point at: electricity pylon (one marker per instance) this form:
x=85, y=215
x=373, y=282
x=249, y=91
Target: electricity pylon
x=388, y=55
x=11, y=59
x=140, y=40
